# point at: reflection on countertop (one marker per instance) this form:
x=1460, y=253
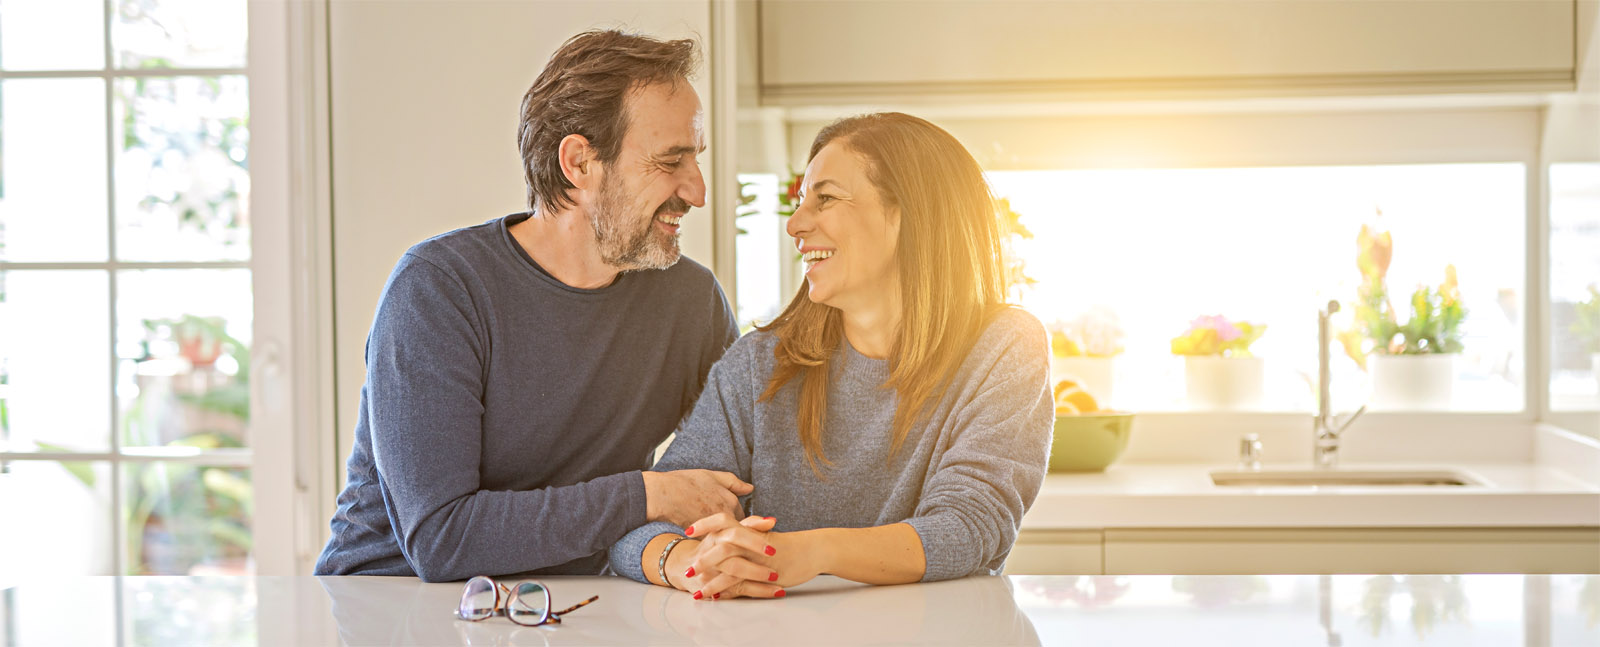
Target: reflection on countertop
x=1533, y=610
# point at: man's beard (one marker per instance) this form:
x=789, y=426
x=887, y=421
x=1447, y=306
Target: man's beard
x=632, y=248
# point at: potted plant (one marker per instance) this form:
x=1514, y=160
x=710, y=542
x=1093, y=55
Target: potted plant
x=1084, y=349
x=1412, y=363
x=1219, y=371
x=1587, y=328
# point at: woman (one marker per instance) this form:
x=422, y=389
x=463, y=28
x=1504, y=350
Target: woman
x=895, y=419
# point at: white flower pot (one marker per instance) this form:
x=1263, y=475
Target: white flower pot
x=1412, y=382
x=1094, y=374
x=1224, y=383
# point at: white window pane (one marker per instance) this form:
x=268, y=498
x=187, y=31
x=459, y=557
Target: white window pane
x=183, y=181
x=760, y=249
x=1272, y=245
x=180, y=33
x=54, y=354
x=52, y=34
x=53, y=187
x=186, y=519
x=183, y=341
x=76, y=515
x=1575, y=286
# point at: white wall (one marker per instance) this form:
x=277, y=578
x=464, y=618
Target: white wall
x=425, y=97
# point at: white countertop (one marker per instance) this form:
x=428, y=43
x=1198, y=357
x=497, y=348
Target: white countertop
x=1183, y=496
x=1236, y=611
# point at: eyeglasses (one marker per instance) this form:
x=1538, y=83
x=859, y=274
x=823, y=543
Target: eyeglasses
x=526, y=603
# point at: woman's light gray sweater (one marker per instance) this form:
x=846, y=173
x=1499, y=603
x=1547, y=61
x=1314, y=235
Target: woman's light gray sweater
x=963, y=477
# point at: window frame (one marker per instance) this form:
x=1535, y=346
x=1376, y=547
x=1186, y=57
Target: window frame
x=295, y=467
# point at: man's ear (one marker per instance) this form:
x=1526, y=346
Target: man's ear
x=578, y=161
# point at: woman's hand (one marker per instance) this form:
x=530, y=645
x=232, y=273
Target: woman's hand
x=746, y=559
x=726, y=559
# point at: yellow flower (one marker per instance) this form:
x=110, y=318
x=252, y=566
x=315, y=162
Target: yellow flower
x=1063, y=346
x=1351, y=340
x=1376, y=251
x=1449, y=292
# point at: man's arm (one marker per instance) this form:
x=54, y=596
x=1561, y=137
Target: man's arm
x=425, y=387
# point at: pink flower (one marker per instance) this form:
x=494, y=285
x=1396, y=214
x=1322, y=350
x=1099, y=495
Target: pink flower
x=1226, y=331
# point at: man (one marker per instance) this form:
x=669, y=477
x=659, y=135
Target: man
x=520, y=372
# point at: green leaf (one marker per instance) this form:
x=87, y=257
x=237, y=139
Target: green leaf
x=228, y=485
x=232, y=399
x=207, y=440
x=229, y=533
x=79, y=470
x=1586, y=325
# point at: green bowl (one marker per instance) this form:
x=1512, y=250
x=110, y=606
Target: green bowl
x=1089, y=442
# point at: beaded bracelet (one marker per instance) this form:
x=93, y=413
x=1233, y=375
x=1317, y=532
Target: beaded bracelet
x=661, y=565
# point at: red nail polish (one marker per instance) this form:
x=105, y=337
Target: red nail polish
x=779, y=594
x=771, y=518
x=716, y=596
x=773, y=577
x=771, y=551
x=689, y=530
x=689, y=573
x=698, y=596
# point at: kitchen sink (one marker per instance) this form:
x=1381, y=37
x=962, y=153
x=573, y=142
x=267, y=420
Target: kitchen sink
x=1343, y=477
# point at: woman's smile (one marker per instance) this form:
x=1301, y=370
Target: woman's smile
x=814, y=257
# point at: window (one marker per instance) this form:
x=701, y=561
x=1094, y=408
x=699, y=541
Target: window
x=125, y=286
x=1151, y=250
x=768, y=265
x=1158, y=248
x=1575, y=286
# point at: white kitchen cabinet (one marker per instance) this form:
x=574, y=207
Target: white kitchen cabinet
x=866, y=51
x=1352, y=550
x=1266, y=551
x=1056, y=552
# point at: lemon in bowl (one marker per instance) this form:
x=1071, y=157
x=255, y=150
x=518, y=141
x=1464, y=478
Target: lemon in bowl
x=1086, y=438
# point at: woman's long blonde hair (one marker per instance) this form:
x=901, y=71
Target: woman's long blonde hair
x=951, y=269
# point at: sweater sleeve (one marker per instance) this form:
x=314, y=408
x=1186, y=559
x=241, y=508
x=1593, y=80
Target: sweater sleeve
x=715, y=436
x=979, y=488
x=425, y=386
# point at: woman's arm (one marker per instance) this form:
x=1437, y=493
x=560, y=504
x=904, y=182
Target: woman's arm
x=972, y=501
x=715, y=436
x=890, y=554
x=978, y=489
x=746, y=560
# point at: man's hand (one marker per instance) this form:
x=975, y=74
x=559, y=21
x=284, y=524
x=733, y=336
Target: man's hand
x=683, y=496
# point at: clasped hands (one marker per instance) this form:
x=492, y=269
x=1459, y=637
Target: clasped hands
x=727, y=558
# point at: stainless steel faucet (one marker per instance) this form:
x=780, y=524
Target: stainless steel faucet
x=1325, y=433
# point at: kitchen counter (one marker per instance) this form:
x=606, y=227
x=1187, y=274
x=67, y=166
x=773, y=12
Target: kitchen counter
x=1546, y=610
x=1182, y=496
